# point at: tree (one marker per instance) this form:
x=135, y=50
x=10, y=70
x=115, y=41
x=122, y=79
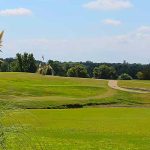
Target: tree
x=31, y=63
x=1, y=35
x=4, y=67
x=25, y=63
x=14, y=66
x=140, y=75
x=104, y=72
x=77, y=71
x=19, y=62
x=125, y=76
x=146, y=73
x=90, y=67
x=58, y=68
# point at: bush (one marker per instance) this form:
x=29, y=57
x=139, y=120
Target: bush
x=125, y=76
x=140, y=75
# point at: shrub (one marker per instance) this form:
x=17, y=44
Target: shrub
x=125, y=76
x=140, y=75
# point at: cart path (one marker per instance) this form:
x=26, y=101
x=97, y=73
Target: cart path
x=114, y=84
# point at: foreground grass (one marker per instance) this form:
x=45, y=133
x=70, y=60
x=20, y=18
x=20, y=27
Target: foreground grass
x=34, y=91
x=41, y=128
x=82, y=129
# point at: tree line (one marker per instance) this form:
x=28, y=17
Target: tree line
x=27, y=63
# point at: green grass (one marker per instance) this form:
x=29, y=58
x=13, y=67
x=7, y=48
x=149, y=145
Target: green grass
x=77, y=129
x=81, y=129
x=139, y=84
x=26, y=90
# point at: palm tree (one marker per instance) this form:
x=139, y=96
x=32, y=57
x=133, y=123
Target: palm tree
x=1, y=35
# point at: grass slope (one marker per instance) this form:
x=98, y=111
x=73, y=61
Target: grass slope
x=25, y=90
x=81, y=129
x=137, y=84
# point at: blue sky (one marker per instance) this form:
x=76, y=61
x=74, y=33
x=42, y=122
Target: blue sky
x=77, y=30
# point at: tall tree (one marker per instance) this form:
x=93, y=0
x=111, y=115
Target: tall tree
x=31, y=63
x=25, y=63
x=19, y=62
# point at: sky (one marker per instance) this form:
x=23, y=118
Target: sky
x=77, y=30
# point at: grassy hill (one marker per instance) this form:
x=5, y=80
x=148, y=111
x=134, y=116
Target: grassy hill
x=26, y=90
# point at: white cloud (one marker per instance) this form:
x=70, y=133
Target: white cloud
x=112, y=22
x=141, y=35
x=15, y=12
x=108, y=4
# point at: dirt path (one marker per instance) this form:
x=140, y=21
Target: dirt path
x=113, y=84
